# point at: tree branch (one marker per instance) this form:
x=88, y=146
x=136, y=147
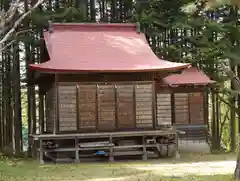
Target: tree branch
x=232, y=76
x=18, y=22
x=11, y=12
x=11, y=42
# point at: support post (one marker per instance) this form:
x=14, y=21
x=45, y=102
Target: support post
x=144, y=157
x=177, y=155
x=111, y=156
x=41, y=151
x=76, y=151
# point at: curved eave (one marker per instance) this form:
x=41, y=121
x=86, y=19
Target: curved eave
x=46, y=68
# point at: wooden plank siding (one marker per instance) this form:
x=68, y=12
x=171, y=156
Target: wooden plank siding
x=125, y=108
x=67, y=108
x=196, y=106
x=97, y=106
x=106, y=107
x=144, y=100
x=180, y=108
x=51, y=104
x=87, y=100
x=100, y=106
x=164, y=109
x=189, y=108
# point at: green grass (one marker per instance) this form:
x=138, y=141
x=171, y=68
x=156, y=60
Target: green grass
x=29, y=170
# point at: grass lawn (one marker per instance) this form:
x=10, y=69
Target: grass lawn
x=153, y=170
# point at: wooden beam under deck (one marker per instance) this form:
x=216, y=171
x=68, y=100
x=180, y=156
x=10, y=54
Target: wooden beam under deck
x=111, y=149
x=161, y=132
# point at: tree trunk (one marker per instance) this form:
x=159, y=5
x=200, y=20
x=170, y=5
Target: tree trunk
x=218, y=120
x=213, y=126
x=17, y=102
x=237, y=169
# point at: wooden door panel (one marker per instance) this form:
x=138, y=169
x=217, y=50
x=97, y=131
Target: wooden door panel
x=125, y=107
x=106, y=107
x=87, y=106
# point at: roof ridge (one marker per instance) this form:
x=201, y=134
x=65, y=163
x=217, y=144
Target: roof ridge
x=94, y=26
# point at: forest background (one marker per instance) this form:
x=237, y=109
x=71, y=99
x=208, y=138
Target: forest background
x=206, y=35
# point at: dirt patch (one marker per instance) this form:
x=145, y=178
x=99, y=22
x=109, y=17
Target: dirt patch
x=196, y=168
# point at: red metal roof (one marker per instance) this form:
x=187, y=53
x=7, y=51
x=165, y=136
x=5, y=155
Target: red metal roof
x=100, y=48
x=188, y=76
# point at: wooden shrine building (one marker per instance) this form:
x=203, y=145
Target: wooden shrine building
x=106, y=93
x=186, y=95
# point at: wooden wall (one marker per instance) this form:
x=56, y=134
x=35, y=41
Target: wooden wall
x=144, y=105
x=164, y=109
x=126, y=106
x=100, y=106
x=67, y=108
x=196, y=107
x=88, y=107
x=189, y=108
x=87, y=110
x=51, y=102
x=106, y=107
x=180, y=108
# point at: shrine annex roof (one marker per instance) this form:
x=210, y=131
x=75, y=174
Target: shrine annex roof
x=188, y=76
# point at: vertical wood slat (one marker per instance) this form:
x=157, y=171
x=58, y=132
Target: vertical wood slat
x=116, y=106
x=173, y=108
x=196, y=108
x=67, y=108
x=125, y=107
x=50, y=111
x=134, y=106
x=144, y=112
x=206, y=107
x=97, y=107
x=181, y=108
x=164, y=111
x=41, y=113
x=107, y=110
x=189, y=111
x=206, y=113
x=154, y=105
x=56, y=120
x=87, y=101
x=52, y=102
x=77, y=107
x=45, y=113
